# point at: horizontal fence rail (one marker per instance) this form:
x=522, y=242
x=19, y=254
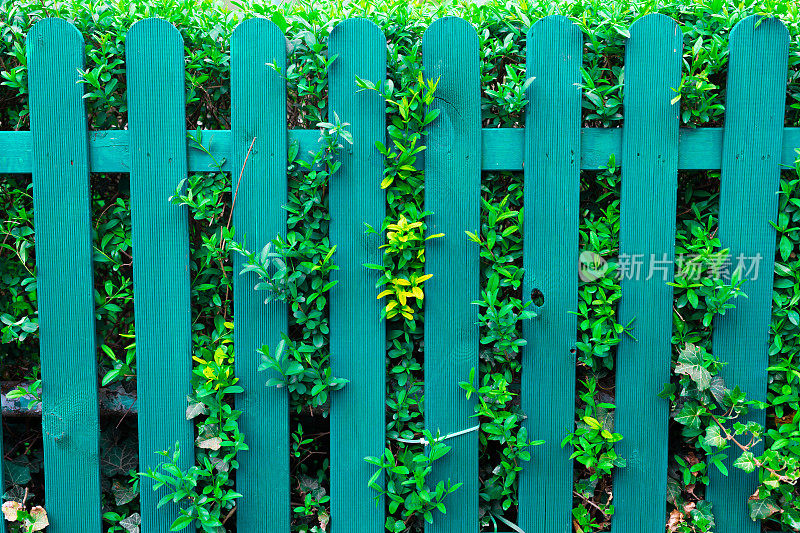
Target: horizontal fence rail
x=551, y=150
x=501, y=149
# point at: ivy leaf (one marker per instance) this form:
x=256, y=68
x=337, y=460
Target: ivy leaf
x=762, y=508
x=690, y=363
x=792, y=518
x=213, y=443
x=132, y=523
x=10, y=510
x=690, y=415
x=718, y=388
x=40, y=520
x=674, y=491
x=714, y=437
x=122, y=493
x=702, y=516
x=746, y=462
x=17, y=474
x=668, y=391
x=195, y=409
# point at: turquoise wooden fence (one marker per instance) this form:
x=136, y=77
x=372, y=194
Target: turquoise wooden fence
x=552, y=150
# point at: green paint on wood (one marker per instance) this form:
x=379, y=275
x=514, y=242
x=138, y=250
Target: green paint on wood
x=258, y=111
x=358, y=335
x=756, y=99
x=162, y=309
x=452, y=194
x=552, y=190
x=65, y=289
x=501, y=149
x=647, y=236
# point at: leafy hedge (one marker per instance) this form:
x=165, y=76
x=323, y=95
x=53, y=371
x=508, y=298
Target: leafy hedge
x=206, y=27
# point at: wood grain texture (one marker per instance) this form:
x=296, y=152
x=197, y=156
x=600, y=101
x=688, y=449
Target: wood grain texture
x=258, y=112
x=358, y=335
x=65, y=287
x=748, y=202
x=452, y=195
x=550, y=258
x=647, y=234
x=501, y=149
x=162, y=307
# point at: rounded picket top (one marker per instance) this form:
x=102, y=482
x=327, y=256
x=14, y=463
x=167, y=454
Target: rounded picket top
x=154, y=54
x=256, y=31
x=760, y=29
x=54, y=29
x=557, y=26
x=55, y=51
x=655, y=47
x=357, y=34
x=257, y=46
x=153, y=30
x=554, y=32
x=359, y=47
x=449, y=30
x=54, y=42
x=655, y=25
x=757, y=43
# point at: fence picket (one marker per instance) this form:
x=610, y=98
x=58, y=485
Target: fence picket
x=358, y=335
x=258, y=119
x=649, y=178
x=452, y=195
x=65, y=285
x=552, y=194
x=751, y=154
x=162, y=307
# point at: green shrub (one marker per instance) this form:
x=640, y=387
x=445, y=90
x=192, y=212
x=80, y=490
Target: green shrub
x=206, y=27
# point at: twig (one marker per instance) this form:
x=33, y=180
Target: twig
x=230, y=216
x=590, y=502
x=127, y=411
x=230, y=513
x=238, y=182
x=111, y=204
x=728, y=436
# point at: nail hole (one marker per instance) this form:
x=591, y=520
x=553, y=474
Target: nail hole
x=537, y=297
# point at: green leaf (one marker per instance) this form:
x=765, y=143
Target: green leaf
x=702, y=516
x=746, y=462
x=714, y=437
x=690, y=415
x=762, y=508
x=195, y=409
x=690, y=363
x=718, y=388
x=181, y=522
x=111, y=375
x=668, y=391
x=123, y=493
x=592, y=422
x=786, y=247
x=293, y=368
